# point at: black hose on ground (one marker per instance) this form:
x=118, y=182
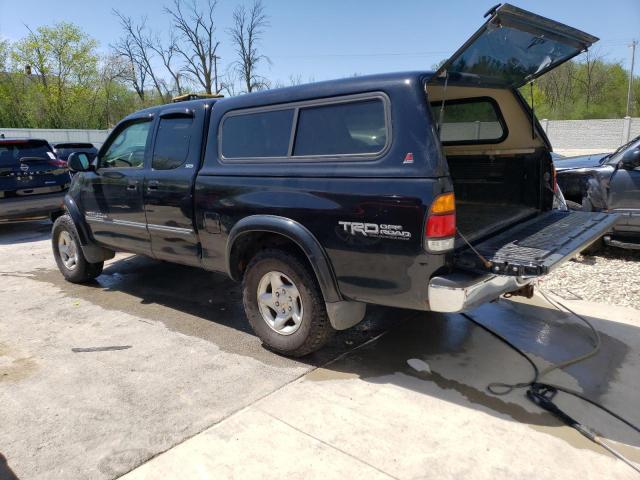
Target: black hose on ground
x=542, y=394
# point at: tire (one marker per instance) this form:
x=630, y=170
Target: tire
x=71, y=261
x=300, y=334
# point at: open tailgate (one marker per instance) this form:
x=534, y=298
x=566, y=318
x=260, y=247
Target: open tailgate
x=539, y=245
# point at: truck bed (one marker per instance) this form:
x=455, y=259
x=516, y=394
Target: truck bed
x=478, y=219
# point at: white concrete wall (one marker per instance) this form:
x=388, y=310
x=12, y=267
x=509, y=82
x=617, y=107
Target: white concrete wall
x=97, y=137
x=576, y=137
x=568, y=137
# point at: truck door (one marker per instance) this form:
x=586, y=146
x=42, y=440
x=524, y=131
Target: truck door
x=112, y=201
x=168, y=185
x=624, y=197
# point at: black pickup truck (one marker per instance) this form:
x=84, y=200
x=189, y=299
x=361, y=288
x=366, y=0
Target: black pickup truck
x=323, y=198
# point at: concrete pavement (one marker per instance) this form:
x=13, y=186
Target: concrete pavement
x=153, y=371
x=412, y=404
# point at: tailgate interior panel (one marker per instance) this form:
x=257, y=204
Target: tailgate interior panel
x=535, y=247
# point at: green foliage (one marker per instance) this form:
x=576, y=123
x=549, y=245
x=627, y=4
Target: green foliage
x=55, y=78
x=592, y=88
x=71, y=86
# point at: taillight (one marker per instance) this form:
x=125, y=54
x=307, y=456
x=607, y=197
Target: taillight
x=440, y=228
x=57, y=163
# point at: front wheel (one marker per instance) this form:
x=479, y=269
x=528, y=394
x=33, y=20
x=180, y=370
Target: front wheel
x=284, y=304
x=68, y=252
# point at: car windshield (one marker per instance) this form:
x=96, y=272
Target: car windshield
x=12, y=151
x=615, y=156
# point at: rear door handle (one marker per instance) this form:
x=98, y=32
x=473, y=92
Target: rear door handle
x=132, y=186
x=152, y=185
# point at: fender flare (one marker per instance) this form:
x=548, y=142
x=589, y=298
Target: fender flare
x=93, y=252
x=297, y=233
x=78, y=220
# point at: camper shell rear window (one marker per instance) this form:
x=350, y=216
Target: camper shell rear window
x=469, y=121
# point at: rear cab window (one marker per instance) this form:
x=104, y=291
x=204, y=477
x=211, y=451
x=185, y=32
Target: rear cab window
x=172, y=142
x=470, y=121
x=334, y=128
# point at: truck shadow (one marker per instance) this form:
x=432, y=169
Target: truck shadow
x=201, y=304
x=24, y=232
x=5, y=471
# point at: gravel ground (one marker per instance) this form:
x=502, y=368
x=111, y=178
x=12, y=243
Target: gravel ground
x=611, y=276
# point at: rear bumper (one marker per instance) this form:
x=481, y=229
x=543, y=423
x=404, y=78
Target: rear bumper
x=18, y=208
x=461, y=291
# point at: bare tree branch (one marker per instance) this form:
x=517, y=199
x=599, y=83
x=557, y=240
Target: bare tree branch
x=135, y=45
x=168, y=56
x=246, y=33
x=198, y=45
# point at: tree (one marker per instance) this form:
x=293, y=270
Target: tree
x=246, y=34
x=168, y=56
x=137, y=47
x=196, y=42
x=591, y=77
x=63, y=58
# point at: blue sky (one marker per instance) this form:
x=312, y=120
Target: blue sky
x=325, y=39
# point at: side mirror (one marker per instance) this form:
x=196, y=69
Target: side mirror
x=630, y=159
x=79, y=162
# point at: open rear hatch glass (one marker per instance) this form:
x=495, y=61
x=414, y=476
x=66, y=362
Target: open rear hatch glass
x=537, y=246
x=515, y=46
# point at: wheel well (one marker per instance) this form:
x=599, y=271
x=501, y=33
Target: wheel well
x=249, y=244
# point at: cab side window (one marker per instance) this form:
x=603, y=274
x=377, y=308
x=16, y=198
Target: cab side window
x=127, y=148
x=172, y=143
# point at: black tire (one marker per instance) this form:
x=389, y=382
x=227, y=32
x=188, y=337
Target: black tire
x=314, y=330
x=83, y=271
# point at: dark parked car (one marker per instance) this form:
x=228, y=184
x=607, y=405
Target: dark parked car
x=324, y=198
x=64, y=149
x=33, y=180
x=607, y=183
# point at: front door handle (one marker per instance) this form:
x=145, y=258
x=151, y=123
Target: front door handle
x=152, y=185
x=132, y=186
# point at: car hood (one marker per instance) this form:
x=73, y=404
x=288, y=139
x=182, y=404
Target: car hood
x=583, y=161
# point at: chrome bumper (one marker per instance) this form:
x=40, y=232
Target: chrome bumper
x=460, y=291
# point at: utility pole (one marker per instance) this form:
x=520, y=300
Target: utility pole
x=633, y=61
x=215, y=72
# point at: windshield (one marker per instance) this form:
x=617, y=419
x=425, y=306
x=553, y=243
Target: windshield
x=615, y=157
x=12, y=151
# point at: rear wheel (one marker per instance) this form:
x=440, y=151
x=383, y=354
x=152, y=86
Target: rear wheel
x=68, y=252
x=284, y=304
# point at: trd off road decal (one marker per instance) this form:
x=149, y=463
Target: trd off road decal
x=375, y=230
